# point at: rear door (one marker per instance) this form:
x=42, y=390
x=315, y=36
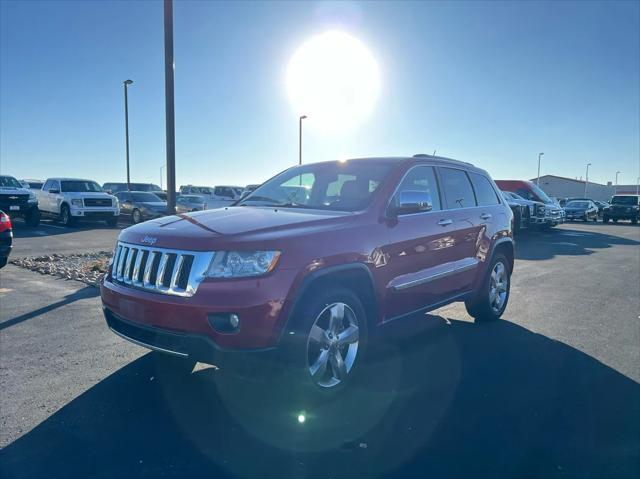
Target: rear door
x=465, y=224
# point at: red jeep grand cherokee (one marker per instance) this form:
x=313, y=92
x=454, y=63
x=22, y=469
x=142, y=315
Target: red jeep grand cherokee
x=312, y=262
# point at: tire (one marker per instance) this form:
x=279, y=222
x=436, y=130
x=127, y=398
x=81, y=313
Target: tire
x=3, y=261
x=112, y=222
x=136, y=217
x=517, y=222
x=32, y=219
x=65, y=216
x=615, y=220
x=318, y=358
x=605, y=219
x=481, y=307
x=634, y=221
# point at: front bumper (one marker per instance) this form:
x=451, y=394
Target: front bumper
x=21, y=211
x=95, y=214
x=261, y=304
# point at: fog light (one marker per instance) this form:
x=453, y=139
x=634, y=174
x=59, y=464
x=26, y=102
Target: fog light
x=224, y=322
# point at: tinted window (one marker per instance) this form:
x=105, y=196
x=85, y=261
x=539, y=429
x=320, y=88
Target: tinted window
x=47, y=185
x=624, y=200
x=9, y=182
x=123, y=196
x=145, y=197
x=420, y=178
x=485, y=194
x=457, y=188
x=55, y=185
x=80, y=186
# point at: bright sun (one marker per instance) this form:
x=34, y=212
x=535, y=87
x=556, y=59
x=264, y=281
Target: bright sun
x=334, y=80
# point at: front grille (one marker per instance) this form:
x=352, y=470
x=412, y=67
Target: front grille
x=13, y=199
x=159, y=270
x=97, y=202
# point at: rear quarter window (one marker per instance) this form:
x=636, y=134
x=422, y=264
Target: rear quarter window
x=485, y=194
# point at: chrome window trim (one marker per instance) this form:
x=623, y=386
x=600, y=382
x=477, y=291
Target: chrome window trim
x=435, y=175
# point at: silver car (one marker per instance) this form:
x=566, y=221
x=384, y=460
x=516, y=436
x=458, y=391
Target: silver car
x=188, y=203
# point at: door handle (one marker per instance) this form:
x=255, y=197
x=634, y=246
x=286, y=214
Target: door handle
x=485, y=216
x=445, y=222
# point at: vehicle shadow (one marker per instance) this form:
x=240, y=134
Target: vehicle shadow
x=51, y=228
x=541, y=245
x=83, y=293
x=459, y=400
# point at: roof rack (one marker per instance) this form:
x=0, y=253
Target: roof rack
x=425, y=155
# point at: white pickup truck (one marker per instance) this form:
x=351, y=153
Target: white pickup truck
x=72, y=199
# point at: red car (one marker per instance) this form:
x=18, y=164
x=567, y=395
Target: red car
x=312, y=263
x=6, y=238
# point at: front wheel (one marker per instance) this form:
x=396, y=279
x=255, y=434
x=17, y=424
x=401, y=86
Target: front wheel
x=136, y=217
x=329, y=339
x=65, y=216
x=491, y=300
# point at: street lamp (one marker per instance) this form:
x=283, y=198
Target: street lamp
x=163, y=166
x=638, y=185
x=126, y=83
x=303, y=117
x=538, y=180
x=586, y=182
x=617, y=173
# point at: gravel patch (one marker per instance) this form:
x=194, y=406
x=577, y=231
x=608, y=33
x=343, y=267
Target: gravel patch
x=84, y=267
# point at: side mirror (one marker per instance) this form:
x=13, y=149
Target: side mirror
x=413, y=201
x=53, y=191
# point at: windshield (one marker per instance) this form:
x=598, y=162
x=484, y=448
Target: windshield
x=9, y=182
x=541, y=194
x=145, y=198
x=144, y=187
x=577, y=204
x=624, y=200
x=341, y=186
x=81, y=186
x=193, y=199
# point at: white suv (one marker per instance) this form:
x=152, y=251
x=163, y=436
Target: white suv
x=71, y=199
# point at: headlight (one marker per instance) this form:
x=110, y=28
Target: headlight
x=76, y=203
x=32, y=197
x=241, y=264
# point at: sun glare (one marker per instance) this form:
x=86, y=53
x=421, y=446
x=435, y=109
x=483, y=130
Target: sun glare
x=334, y=80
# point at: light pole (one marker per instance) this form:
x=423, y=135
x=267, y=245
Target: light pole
x=303, y=117
x=538, y=180
x=126, y=127
x=586, y=182
x=638, y=186
x=161, y=167
x=616, y=189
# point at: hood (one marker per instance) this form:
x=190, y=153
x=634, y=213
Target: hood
x=14, y=191
x=243, y=224
x=577, y=208
x=86, y=194
x=156, y=205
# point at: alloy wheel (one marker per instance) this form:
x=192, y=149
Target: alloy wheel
x=498, y=287
x=332, y=345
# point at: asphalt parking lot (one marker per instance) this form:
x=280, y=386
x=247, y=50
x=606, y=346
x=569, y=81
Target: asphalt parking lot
x=552, y=390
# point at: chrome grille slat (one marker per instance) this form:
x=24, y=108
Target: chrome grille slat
x=179, y=272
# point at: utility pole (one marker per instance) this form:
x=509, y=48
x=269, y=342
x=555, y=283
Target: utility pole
x=168, y=94
x=616, y=189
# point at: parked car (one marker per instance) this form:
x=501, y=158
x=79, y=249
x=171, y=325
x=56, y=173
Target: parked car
x=161, y=194
x=311, y=279
x=18, y=201
x=189, y=203
x=520, y=213
x=534, y=210
x=32, y=184
x=623, y=207
x=139, y=206
x=113, y=188
x=248, y=189
x=71, y=199
x=551, y=215
x=581, y=210
x=196, y=190
x=6, y=238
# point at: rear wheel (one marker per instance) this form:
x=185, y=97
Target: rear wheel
x=492, y=298
x=3, y=261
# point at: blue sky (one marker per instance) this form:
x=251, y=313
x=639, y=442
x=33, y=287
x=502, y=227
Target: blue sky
x=493, y=83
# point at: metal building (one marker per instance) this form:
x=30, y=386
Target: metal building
x=562, y=187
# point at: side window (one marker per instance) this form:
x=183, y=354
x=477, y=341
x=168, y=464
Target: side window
x=420, y=178
x=457, y=188
x=524, y=193
x=55, y=185
x=485, y=194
